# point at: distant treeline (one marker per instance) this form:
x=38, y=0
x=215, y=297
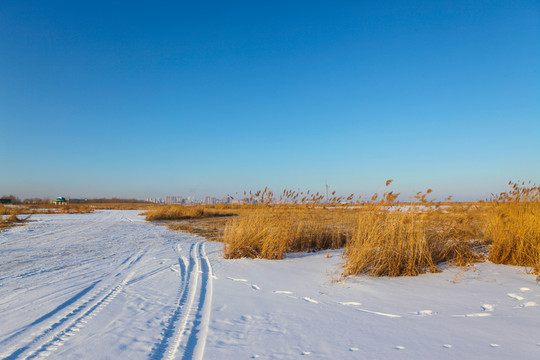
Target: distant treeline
x=40, y=201
x=14, y=199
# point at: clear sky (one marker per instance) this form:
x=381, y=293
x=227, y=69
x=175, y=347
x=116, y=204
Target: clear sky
x=153, y=98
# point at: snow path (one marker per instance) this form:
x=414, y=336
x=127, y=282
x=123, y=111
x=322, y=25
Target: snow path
x=188, y=326
x=102, y=285
x=109, y=285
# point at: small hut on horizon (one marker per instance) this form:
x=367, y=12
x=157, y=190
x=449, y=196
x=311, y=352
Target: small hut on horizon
x=60, y=200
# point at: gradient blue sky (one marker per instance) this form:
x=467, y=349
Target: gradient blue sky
x=146, y=98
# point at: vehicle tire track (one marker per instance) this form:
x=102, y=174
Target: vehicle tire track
x=197, y=340
x=187, y=327
x=63, y=328
x=48, y=315
x=172, y=333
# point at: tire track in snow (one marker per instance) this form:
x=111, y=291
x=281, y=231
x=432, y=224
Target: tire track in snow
x=57, y=333
x=171, y=334
x=187, y=328
x=50, y=314
x=199, y=332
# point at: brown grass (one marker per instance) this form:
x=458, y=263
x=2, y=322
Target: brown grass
x=82, y=208
x=75, y=209
x=59, y=209
x=271, y=232
x=381, y=237
x=411, y=241
x=181, y=212
x=210, y=227
x=123, y=206
x=299, y=222
x=513, y=225
x=11, y=216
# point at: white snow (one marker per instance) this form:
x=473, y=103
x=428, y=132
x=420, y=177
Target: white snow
x=515, y=296
x=109, y=285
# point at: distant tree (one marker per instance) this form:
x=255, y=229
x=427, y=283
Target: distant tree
x=13, y=198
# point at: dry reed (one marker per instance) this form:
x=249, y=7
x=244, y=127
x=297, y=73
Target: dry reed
x=59, y=209
x=402, y=241
x=298, y=222
x=10, y=216
x=513, y=225
x=181, y=212
x=270, y=233
x=381, y=237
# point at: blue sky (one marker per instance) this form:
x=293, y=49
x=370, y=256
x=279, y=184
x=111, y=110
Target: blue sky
x=145, y=98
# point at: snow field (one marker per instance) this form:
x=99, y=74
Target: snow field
x=109, y=285
x=299, y=310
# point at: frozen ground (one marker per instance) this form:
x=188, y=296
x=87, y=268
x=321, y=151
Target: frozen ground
x=111, y=286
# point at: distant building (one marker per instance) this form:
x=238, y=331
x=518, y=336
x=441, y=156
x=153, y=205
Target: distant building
x=6, y=201
x=60, y=200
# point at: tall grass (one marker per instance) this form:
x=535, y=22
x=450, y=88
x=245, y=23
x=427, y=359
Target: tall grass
x=408, y=241
x=59, y=209
x=271, y=232
x=75, y=209
x=394, y=240
x=298, y=222
x=513, y=225
x=381, y=237
x=181, y=212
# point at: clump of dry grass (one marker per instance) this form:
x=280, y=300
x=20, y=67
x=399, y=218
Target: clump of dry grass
x=298, y=223
x=60, y=209
x=4, y=210
x=513, y=225
x=389, y=243
x=10, y=216
x=180, y=212
x=76, y=209
x=402, y=241
x=122, y=206
x=211, y=227
x=270, y=233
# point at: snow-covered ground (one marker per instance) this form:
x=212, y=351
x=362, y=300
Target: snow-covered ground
x=109, y=285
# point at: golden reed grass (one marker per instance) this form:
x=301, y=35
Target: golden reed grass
x=271, y=232
x=381, y=237
x=298, y=221
x=58, y=209
x=513, y=226
x=181, y=212
x=403, y=241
